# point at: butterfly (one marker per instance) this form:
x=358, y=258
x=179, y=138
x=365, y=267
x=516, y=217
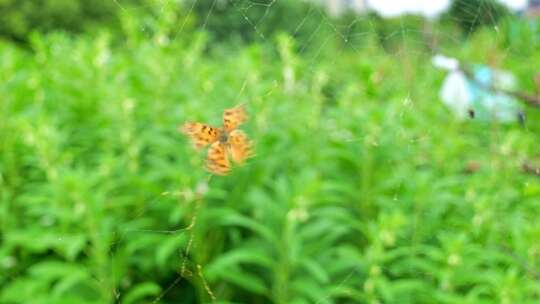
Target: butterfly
x=224, y=142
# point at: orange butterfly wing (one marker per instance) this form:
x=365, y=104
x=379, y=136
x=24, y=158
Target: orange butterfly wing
x=237, y=143
x=200, y=134
x=234, y=117
x=240, y=147
x=217, y=161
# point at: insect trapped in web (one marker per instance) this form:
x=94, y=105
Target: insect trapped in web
x=225, y=142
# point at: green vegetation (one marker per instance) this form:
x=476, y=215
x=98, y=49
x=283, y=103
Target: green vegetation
x=365, y=189
x=473, y=14
x=19, y=18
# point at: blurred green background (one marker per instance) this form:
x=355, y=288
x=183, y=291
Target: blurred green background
x=365, y=188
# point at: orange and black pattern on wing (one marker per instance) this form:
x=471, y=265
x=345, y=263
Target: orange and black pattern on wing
x=200, y=134
x=217, y=161
x=240, y=147
x=234, y=117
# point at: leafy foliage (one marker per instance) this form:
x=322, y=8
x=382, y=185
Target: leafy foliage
x=472, y=14
x=248, y=21
x=19, y=18
x=358, y=192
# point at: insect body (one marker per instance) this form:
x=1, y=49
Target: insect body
x=223, y=137
x=224, y=141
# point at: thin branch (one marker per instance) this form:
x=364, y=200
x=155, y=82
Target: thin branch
x=530, y=168
x=529, y=99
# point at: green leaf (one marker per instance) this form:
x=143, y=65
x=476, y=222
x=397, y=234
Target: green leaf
x=50, y=270
x=227, y=217
x=235, y=258
x=169, y=248
x=69, y=282
x=245, y=280
x=315, y=269
x=140, y=291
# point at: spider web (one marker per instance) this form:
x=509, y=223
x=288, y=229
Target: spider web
x=313, y=50
x=192, y=198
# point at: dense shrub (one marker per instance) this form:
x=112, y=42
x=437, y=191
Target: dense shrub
x=229, y=20
x=360, y=191
x=19, y=18
x=521, y=35
x=472, y=14
x=250, y=20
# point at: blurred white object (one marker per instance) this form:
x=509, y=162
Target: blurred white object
x=479, y=93
x=393, y=8
x=447, y=63
x=515, y=5
x=455, y=94
x=338, y=7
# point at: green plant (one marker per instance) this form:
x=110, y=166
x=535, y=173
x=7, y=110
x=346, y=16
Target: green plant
x=249, y=21
x=358, y=192
x=20, y=18
x=473, y=14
